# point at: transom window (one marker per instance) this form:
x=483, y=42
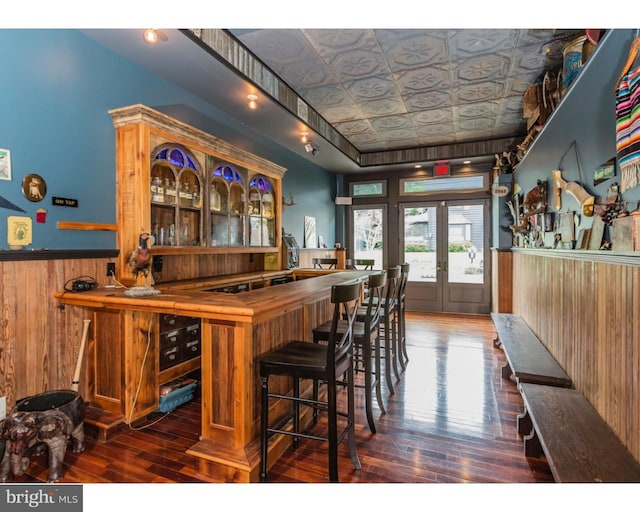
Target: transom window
x=369, y=188
x=411, y=186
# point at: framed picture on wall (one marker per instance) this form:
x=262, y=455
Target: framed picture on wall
x=5, y=164
x=566, y=227
x=604, y=171
x=310, y=239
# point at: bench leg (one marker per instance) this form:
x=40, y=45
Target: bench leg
x=532, y=446
x=506, y=371
x=524, y=423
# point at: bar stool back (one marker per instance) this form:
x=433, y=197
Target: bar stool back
x=324, y=262
x=389, y=326
x=403, y=357
x=305, y=360
x=360, y=264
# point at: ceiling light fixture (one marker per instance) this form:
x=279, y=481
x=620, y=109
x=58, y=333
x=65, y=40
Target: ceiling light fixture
x=304, y=137
x=310, y=147
x=153, y=35
x=150, y=36
x=253, y=103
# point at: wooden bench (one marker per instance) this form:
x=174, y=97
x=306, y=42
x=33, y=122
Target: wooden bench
x=578, y=444
x=528, y=360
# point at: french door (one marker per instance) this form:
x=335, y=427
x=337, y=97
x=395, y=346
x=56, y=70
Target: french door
x=446, y=246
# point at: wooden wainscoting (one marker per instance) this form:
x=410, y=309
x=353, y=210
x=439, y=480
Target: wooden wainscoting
x=39, y=342
x=586, y=311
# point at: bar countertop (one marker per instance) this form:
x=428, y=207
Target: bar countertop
x=194, y=300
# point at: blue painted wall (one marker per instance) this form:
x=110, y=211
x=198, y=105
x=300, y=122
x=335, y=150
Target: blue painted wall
x=56, y=88
x=585, y=116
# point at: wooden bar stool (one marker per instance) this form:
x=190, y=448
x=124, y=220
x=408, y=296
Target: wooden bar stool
x=389, y=327
x=324, y=262
x=306, y=360
x=366, y=343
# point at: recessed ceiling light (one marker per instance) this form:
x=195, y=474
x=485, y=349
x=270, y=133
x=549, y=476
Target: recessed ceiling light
x=417, y=166
x=466, y=162
x=304, y=137
x=253, y=101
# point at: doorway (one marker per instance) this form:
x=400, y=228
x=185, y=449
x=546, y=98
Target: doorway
x=446, y=244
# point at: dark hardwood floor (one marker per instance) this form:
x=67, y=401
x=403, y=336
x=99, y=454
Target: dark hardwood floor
x=452, y=419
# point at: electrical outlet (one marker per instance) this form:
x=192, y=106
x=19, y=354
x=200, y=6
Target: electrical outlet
x=111, y=269
x=157, y=263
x=3, y=407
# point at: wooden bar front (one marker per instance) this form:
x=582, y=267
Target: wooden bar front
x=236, y=330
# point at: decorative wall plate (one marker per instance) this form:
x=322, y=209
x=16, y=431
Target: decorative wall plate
x=34, y=187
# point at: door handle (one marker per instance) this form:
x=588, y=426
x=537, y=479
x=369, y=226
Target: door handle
x=438, y=267
x=446, y=266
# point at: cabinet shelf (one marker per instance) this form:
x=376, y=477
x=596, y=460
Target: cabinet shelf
x=157, y=204
x=178, y=370
x=174, y=250
x=560, y=114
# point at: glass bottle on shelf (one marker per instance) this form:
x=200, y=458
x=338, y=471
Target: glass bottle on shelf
x=195, y=197
x=154, y=235
x=185, y=194
x=214, y=198
x=161, y=235
x=169, y=191
x=157, y=190
x=184, y=231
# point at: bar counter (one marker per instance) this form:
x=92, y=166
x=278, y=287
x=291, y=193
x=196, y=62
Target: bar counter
x=236, y=329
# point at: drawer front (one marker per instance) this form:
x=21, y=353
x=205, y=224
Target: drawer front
x=171, y=337
x=169, y=322
x=191, y=332
x=170, y=356
x=191, y=349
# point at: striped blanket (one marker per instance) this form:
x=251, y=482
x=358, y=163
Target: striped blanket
x=628, y=121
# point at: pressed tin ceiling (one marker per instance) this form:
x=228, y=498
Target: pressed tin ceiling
x=378, y=99
x=395, y=89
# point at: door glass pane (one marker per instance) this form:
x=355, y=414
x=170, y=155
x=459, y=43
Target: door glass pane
x=420, y=243
x=367, y=234
x=466, y=240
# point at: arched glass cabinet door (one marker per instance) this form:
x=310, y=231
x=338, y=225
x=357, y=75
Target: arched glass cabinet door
x=176, y=199
x=227, y=208
x=261, y=210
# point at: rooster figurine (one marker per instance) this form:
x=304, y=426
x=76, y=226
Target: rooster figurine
x=140, y=261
